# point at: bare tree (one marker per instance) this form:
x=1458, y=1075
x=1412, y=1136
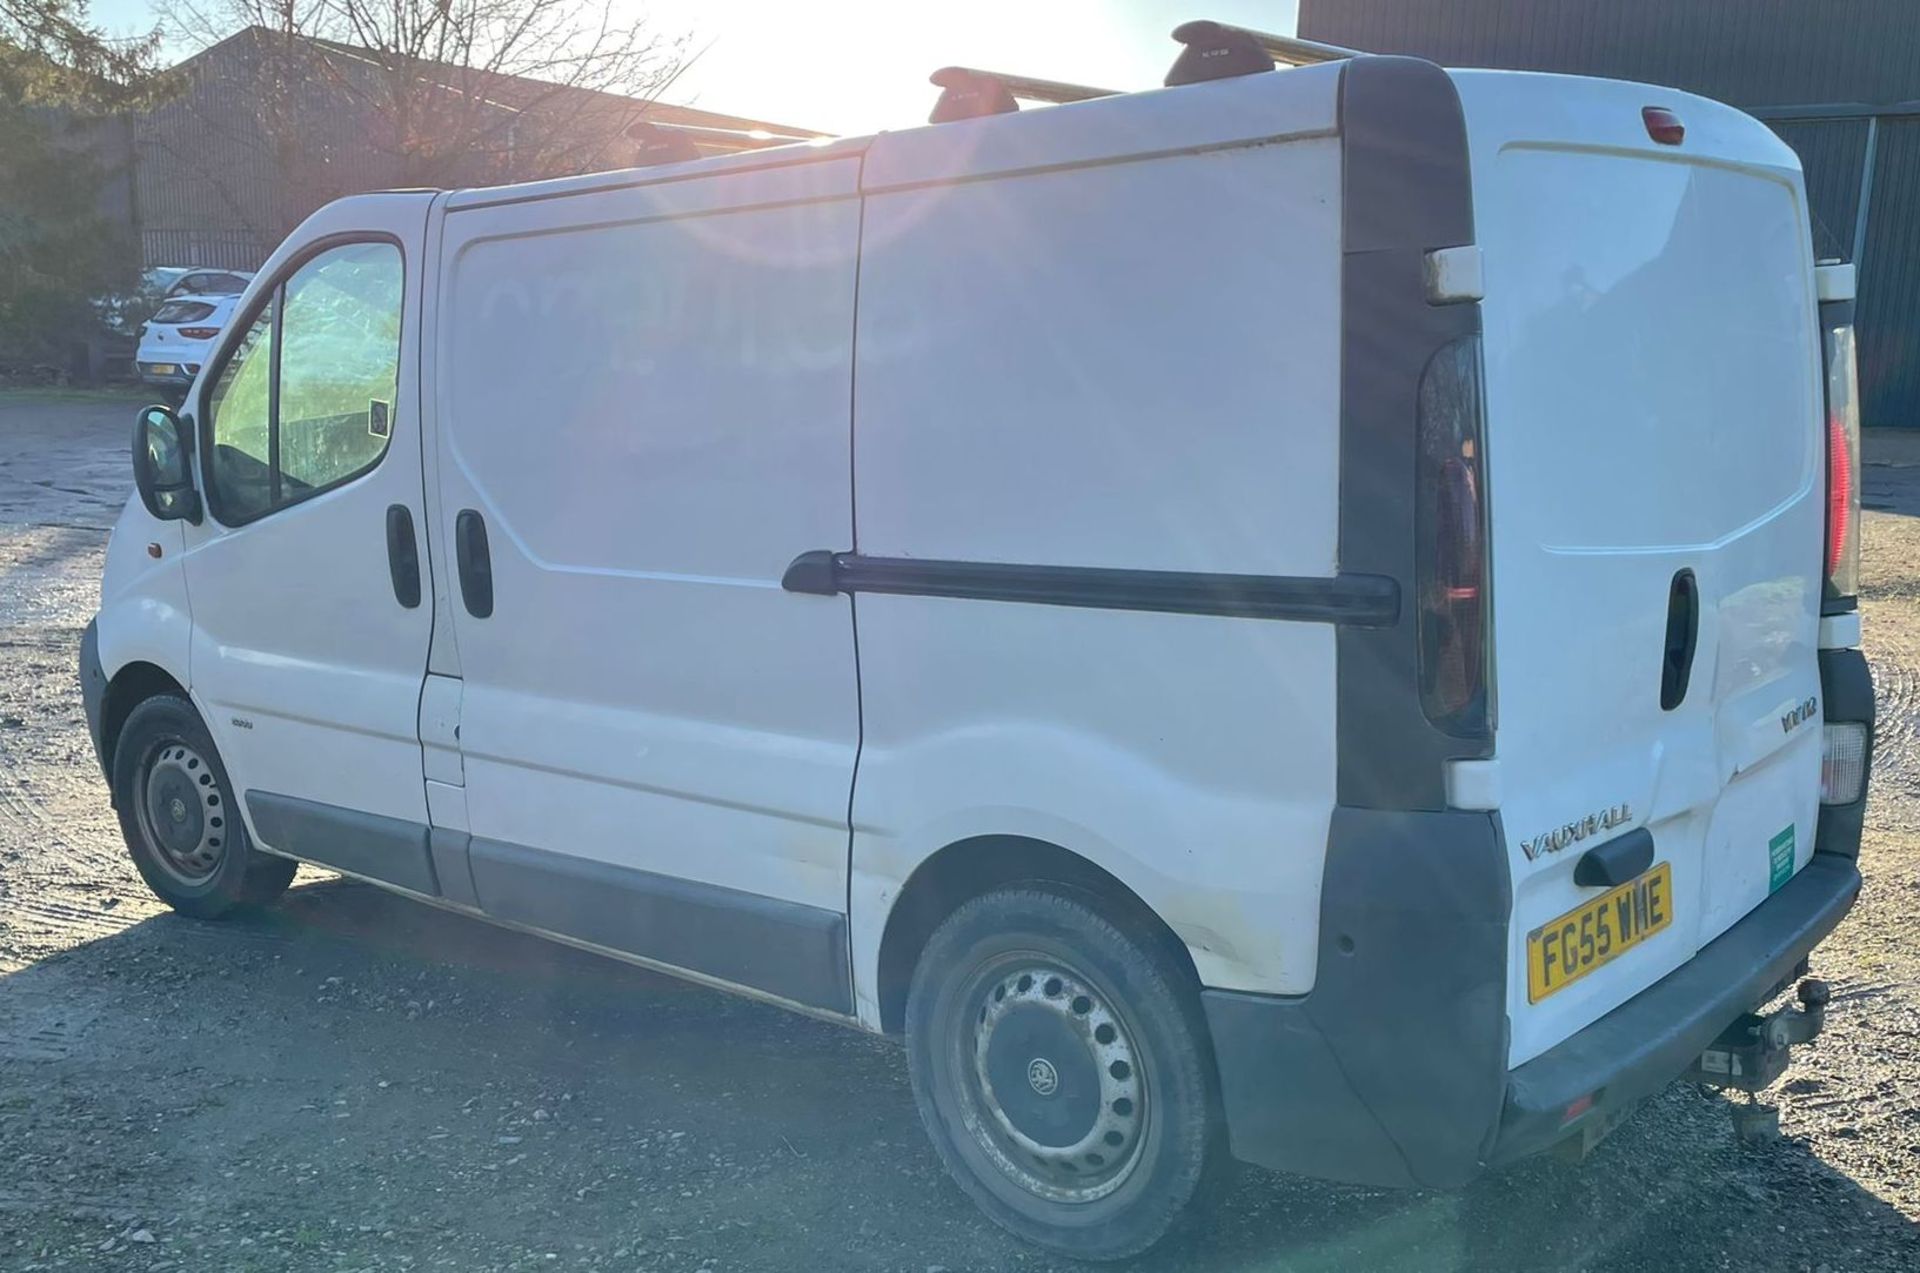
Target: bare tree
x=86, y=64
x=346, y=95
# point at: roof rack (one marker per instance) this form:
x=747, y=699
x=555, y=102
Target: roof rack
x=1218, y=50
x=653, y=145
x=968, y=93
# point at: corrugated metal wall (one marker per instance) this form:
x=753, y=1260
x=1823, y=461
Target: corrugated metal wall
x=1748, y=52
x=1889, y=317
x=1832, y=152
x=1774, y=57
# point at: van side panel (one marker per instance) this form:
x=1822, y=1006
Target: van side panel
x=645, y=395
x=1127, y=365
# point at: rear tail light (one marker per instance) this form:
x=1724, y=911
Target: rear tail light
x=1450, y=508
x=1843, y=762
x=1843, y=466
x=199, y=333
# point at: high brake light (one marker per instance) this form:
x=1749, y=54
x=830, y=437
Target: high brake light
x=1450, y=510
x=1843, y=467
x=1663, y=125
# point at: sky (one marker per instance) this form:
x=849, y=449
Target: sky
x=855, y=66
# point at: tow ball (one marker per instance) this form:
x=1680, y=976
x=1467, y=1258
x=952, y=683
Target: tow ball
x=1752, y=1052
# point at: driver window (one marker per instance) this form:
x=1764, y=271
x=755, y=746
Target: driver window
x=307, y=402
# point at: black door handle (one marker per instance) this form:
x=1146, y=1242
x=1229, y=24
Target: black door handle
x=1683, y=634
x=403, y=555
x=476, y=565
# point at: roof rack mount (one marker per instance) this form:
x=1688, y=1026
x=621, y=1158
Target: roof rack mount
x=1219, y=50
x=968, y=93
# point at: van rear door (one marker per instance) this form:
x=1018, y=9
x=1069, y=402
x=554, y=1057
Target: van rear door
x=1654, y=468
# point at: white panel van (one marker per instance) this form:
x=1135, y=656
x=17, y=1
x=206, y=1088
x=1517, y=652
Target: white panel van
x=1303, y=615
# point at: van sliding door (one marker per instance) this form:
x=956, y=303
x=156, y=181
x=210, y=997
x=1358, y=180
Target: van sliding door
x=643, y=400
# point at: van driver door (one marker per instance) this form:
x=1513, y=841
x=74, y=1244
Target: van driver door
x=306, y=574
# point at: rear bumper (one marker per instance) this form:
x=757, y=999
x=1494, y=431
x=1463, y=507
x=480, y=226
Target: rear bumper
x=1393, y=1070
x=1643, y=1044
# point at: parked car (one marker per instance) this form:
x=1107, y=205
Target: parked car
x=174, y=343
x=122, y=313
x=1353, y=572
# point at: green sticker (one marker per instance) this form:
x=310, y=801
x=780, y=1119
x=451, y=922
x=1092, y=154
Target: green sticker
x=1780, y=859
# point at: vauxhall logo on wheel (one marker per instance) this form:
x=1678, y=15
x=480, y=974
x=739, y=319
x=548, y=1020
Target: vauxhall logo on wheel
x=1042, y=1077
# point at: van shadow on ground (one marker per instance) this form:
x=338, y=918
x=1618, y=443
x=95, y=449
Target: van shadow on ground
x=476, y=1096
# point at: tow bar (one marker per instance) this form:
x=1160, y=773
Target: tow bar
x=1752, y=1052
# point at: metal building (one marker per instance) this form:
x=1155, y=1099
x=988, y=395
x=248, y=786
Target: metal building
x=1839, y=81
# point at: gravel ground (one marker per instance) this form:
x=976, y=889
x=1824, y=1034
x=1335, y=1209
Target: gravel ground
x=357, y=1082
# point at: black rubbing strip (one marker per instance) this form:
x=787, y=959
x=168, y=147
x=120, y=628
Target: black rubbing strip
x=1344, y=599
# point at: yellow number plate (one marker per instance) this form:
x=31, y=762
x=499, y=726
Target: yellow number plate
x=1598, y=932
x=161, y=368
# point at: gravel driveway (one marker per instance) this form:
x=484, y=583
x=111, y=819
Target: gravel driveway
x=358, y=1082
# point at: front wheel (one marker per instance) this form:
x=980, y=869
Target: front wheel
x=179, y=819
x=1060, y=1068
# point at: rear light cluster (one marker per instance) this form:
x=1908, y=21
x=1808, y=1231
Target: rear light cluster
x=199, y=333
x=1843, y=466
x=1843, y=762
x=1450, y=508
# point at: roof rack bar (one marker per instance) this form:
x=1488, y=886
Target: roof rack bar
x=969, y=93
x=1218, y=50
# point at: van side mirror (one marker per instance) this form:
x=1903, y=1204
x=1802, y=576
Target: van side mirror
x=163, y=465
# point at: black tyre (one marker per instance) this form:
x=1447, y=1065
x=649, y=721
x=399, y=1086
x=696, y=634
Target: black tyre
x=1061, y=1069
x=180, y=819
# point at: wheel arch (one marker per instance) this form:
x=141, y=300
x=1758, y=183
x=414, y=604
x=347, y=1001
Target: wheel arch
x=129, y=687
x=968, y=868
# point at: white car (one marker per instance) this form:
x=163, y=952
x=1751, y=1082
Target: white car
x=1353, y=572
x=174, y=343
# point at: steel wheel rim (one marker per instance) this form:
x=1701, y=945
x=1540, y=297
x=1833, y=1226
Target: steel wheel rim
x=1082, y=1051
x=181, y=813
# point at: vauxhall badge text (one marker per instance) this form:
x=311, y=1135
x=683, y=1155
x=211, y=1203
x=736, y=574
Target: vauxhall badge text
x=1573, y=832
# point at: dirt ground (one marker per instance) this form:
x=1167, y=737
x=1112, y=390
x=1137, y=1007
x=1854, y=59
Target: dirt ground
x=354, y=1081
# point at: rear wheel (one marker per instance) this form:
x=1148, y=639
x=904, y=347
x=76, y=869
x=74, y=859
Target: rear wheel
x=179, y=817
x=1060, y=1069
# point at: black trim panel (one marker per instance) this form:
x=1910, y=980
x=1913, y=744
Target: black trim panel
x=388, y=849
x=1407, y=191
x=449, y=851
x=1364, y=600
x=1391, y=1072
x=1846, y=694
x=796, y=952
x=783, y=948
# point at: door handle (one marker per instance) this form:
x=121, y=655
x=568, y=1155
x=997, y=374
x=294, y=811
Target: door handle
x=1683, y=634
x=476, y=565
x=403, y=555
